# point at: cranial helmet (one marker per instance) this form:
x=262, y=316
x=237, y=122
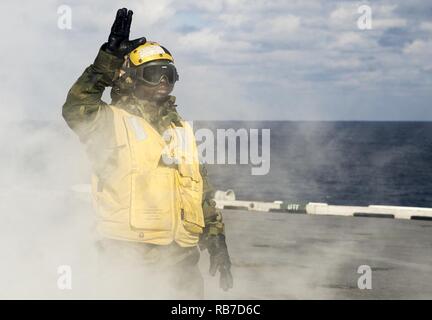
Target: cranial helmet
x=149, y=51
x=146, y=64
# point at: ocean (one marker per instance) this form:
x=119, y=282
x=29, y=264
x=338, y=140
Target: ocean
x=345, y=163
x=352, y=163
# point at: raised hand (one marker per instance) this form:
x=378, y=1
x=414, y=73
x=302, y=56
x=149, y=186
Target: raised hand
x=118, y=41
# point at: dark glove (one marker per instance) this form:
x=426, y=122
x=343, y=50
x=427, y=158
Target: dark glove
x=220, y=260
x=118, y=41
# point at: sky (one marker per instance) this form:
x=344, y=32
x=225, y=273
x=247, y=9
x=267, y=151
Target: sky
x=237, y=60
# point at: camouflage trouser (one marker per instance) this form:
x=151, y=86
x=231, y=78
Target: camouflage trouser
x=144, y=271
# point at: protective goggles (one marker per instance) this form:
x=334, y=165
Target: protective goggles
x=151, y=73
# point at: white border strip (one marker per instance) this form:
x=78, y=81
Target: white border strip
x=331, y=210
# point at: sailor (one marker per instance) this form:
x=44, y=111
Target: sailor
x=160, y=209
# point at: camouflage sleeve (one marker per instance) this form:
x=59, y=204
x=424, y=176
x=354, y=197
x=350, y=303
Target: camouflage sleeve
x=84, y=103
x=214, y=224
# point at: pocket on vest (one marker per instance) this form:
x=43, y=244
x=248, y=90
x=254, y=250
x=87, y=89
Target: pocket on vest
x=191, y=193
x=152, y=202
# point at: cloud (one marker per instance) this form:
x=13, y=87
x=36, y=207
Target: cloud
x=284, y=24
x=389, y=23
x=426, y=26
x=344, y=15
x=419, y=53
x=419, y=48
x=348, y=40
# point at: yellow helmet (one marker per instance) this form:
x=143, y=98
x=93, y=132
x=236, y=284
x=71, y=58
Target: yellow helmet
x=149, y=51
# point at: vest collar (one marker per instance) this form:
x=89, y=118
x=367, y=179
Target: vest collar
x=159, y=114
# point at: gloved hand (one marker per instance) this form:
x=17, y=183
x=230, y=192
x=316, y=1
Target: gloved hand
x=118, y=41
x=220, y=260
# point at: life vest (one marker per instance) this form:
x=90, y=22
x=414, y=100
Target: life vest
x=151, y=189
